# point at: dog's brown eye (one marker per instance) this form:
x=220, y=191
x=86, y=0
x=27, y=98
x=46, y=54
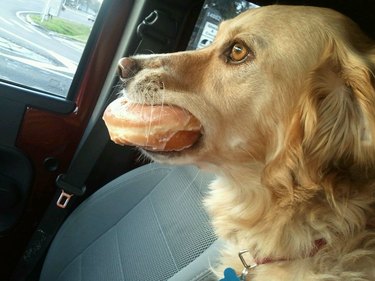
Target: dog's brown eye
x=238, y=53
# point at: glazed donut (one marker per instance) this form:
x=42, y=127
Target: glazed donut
x=154, y=128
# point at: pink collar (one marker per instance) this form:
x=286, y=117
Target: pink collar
x=318, y=244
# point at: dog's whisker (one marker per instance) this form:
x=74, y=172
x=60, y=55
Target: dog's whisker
x=162, y=106
x=149, y=124
x=150, y=51
x=142, y=116
x=172, y=107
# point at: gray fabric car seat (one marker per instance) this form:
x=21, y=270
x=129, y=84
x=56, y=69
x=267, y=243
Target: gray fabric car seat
x=148, y=224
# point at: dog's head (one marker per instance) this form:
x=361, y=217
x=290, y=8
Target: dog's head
x=288, y=87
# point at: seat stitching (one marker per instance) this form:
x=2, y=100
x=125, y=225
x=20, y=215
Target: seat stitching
x=204, y=273
x=162, y=232
x=80, y=268
x=77, y=258
x=119, y=254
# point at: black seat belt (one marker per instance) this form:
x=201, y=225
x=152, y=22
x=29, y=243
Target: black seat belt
x=70, y=184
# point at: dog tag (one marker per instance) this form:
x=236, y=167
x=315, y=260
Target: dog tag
x=230, y=275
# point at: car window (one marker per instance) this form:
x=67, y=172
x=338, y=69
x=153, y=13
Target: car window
x=41, y=41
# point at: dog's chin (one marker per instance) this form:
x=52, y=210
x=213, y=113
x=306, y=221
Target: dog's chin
x=184, y=156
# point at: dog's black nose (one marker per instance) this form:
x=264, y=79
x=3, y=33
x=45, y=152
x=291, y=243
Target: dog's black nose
x=127, y=68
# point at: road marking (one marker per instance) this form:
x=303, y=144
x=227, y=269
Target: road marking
x=6, y=21
x=69, y=64
x=28, y=24
x=22, y=26
x=44, y=66
x=75, y=45
x=41, y=33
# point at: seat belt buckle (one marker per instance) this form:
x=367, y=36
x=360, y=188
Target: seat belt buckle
x=64, y=199
x=67, y=191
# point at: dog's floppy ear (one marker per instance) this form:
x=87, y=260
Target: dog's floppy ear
x=332, y=131
x=338, y=110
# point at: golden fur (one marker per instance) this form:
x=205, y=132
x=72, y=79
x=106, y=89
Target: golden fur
x=290, y=133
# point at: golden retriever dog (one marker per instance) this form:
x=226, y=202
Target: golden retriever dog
x=286, y=99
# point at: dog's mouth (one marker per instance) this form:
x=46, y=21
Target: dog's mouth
x=165, y=154
x=159, y=129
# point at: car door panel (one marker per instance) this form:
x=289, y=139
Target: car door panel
x=40, y=132
x=15, y=180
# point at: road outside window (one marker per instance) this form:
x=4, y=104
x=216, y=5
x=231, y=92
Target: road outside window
x=41, y=41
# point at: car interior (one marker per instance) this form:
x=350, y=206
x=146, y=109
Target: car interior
x=120, y=216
